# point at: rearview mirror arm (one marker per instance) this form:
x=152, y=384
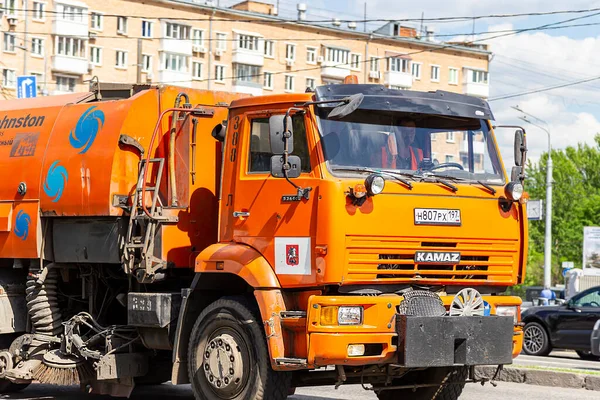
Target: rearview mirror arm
x=301, y=192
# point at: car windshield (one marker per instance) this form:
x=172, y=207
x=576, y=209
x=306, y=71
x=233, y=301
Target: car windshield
x=461, y=148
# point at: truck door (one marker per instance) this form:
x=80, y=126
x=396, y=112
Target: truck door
x=265, y=215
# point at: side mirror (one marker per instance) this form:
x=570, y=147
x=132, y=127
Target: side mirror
x=280, y=132
x=351, y=103
x=278, y=166
x=218, y=132
x=520, y=148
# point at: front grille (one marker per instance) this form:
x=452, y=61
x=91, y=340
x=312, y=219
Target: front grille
x=387, y=258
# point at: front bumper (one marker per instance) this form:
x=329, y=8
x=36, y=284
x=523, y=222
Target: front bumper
x=412, y=341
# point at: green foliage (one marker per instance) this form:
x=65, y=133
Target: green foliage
x=575, y=204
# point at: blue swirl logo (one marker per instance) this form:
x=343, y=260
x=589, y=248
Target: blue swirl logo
x=88, y=126
x=22, y=225
x=56, y=180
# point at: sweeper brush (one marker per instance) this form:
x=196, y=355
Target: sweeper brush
x=60, y=369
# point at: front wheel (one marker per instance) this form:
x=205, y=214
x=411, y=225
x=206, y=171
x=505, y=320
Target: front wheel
x=448, y=385
x=535, y=340
x=228, y=355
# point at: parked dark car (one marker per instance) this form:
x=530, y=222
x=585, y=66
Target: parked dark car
x=567, y=326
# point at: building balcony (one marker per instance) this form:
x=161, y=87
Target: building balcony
x=71, y=28
x=177, y=46
x=242, y=56
x=70, y=65
x=330, y=69
x=175, y=78
x=253, y=88
x=478, y=147
x=477, y=89
x=398, y=79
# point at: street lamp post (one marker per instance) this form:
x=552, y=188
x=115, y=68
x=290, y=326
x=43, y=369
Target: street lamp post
x=548, y=236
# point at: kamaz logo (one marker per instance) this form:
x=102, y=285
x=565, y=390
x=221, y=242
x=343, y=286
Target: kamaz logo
x=437, y=257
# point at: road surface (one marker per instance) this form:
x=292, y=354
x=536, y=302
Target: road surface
x=503, y=391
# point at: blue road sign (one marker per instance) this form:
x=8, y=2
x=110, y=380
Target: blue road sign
x=26, y=86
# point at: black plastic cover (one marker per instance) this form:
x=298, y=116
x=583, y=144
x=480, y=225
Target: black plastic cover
x=378, y=97
x=448, y=341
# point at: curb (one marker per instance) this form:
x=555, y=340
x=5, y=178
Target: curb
x=541, y=377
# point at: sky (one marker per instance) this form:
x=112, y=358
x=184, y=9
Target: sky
x=526, y=61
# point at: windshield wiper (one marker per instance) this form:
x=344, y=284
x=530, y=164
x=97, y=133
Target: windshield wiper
x=378, y=171
x=456, y=178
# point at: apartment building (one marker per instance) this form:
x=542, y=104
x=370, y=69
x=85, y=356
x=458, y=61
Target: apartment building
x=245, y=48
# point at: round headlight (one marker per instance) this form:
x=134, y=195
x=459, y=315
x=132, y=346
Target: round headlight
x=374, y=184
x=513, y=191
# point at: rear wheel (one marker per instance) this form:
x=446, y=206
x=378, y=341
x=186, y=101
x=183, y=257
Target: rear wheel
x=449, y=382
x=228, y=355
x=535, y=340
x=587, y=355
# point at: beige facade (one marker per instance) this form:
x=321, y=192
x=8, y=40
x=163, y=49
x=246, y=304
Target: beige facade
x=245, y=48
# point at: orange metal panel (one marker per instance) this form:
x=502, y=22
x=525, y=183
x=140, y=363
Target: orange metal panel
x=24, y=238
x=6, y=217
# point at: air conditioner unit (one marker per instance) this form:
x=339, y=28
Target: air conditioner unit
x=12, y=21
x=218, y=52
x=289, y=63
x=374, y=74
x=149, y=76
x=92, y=35
x=320, y=59
x=198, y=48
x=90, y=66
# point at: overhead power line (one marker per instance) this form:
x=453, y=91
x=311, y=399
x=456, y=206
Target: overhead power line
x=544, y=89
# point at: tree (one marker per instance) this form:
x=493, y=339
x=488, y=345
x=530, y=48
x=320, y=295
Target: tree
x=575, y=204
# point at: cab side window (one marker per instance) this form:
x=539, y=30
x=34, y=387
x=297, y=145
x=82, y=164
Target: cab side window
x=260, y=148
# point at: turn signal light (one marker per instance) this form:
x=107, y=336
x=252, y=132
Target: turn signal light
x=329, y=316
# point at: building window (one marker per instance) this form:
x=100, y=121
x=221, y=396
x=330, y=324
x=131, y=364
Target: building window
x=435, y=73
x=290, y=52
x=198, y=37
x=39, y=77
x=175, y=62
x=337, y=56
x=9, y=42
x=355, y=61
x=69, y=13
x=453, y=76
x=196, y=70
x=147, y=29
x=374, y=64
x=268, y=80
x=310, y=83
x=247, y=73
x=311, y=55
x=220, y=73
x=96, y=21
x=121, y=59
x=96, y=55
x=476, y=76
x=39, y=11
x=9, y=78
x=449, y=158
x=416, y=70
x=68, y=46
x=221, y=41
x=146, y=63
x=37, y=47
x=122, y=25
x=289, y=83
x=269, y=48
x=176, y=31
x=248, y=42
x=65, y=83
x=397, y=64
x=450, y=137
x=10, y=7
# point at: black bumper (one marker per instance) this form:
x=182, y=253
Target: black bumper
x=449, y=341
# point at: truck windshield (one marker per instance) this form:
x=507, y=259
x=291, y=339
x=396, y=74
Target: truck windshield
x=461, y=148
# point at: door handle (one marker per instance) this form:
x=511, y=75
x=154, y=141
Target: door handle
x=238, y=214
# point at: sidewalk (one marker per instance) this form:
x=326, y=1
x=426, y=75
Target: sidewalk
x=544, y=376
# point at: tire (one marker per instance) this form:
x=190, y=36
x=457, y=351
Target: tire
x=587, y=355
x=535, y=340
x=455, y=375
x=229, y=330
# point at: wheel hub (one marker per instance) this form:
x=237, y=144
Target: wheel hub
x=533, y=339
x=223, y=365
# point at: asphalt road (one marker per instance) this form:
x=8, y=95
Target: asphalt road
x=503, y=391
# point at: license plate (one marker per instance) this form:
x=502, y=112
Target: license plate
x=437, y=216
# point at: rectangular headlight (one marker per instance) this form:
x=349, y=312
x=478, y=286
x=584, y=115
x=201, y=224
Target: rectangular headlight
x=507, y=311
x=350, y=315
